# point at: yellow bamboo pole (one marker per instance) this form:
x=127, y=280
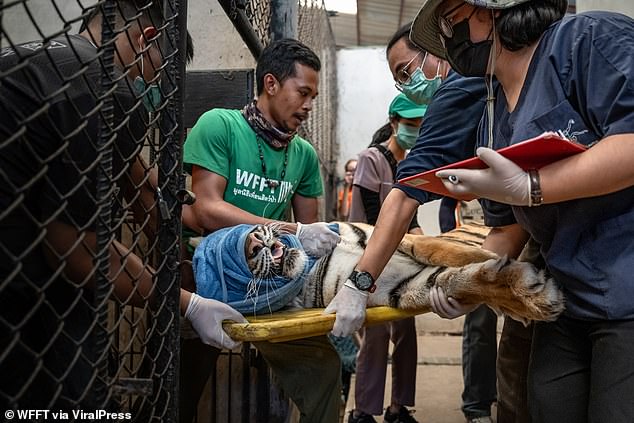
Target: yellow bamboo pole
x=296, y=324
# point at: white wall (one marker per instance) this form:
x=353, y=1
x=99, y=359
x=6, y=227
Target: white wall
x=45, y=18
x=623, y=6
x=366, y=89
x=217, y=44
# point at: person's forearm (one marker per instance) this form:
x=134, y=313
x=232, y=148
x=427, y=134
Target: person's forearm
x=134, y=283
x=603, y=169
x=140, y=191
x=132, y=278
x=506, y=240
x=184, y=298
x=213, y=215
x=305, y=209
x=394, y=219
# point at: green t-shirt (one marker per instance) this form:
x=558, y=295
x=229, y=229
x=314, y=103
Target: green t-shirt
x=223, y=142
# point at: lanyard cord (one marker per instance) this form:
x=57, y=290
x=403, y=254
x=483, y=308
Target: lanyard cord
x=272, y=184
x=489, y=84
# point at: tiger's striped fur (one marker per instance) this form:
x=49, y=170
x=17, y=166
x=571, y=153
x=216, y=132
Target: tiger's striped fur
x=453, y=261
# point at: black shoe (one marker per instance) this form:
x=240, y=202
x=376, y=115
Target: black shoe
x=362, y=418
x=403, y=416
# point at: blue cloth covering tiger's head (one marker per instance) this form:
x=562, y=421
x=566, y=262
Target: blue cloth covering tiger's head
x=250, y=267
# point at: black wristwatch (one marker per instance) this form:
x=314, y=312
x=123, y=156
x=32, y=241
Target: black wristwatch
x=363, y=281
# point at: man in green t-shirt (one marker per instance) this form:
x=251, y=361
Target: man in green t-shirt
x=250, y=166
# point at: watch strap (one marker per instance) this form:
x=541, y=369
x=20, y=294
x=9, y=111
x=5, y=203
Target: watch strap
x=535, y=195
x=353, y=278
x=351, y=284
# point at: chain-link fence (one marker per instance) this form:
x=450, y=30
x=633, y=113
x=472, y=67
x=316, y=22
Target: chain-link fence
x=90, y=135
x=90, y=176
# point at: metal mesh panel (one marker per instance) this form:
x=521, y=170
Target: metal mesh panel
x=259, y=15
x=89, y=244
x=314, y=30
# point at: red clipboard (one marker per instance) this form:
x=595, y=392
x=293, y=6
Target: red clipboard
x=530, y=154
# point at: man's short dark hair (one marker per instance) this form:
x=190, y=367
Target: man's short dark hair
x=402, y=33
x=520, y=26
x=279, y=59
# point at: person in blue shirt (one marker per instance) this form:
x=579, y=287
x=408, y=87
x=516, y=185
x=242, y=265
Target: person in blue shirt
x=576, y=76
x=447, y=135
x=479, y=344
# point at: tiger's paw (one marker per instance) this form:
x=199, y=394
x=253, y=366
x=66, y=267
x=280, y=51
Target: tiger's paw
x=532, y=294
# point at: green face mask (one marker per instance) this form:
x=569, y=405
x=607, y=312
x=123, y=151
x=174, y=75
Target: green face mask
x=406, y=136
x=151, y=93
x=419, y=89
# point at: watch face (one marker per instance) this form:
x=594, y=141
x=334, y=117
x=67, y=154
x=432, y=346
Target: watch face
x=363, y=280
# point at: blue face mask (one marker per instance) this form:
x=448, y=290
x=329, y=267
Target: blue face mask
x=151, y=93
x=406, y=136
x=419, y=89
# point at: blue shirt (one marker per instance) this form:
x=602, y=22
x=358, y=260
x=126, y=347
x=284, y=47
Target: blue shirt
x=448, y=134
x=581, y=82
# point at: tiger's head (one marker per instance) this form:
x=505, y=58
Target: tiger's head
x=267, y=256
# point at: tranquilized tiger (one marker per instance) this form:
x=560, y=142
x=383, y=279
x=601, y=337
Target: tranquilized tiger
x=255, y=269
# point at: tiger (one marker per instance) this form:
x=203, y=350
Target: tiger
x=453, y=261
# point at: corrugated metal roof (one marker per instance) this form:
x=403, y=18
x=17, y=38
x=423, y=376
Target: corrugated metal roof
x=377, y=20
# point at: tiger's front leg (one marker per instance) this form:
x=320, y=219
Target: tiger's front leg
x=435, y=251
x=515, y=288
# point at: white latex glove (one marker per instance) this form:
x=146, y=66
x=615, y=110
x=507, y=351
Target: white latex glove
x=503, y=181
x=447, y=307
x=349, y=305
x=317, y=238
x=206, y=316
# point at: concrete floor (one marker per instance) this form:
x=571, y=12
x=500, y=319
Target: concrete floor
x=439, y=374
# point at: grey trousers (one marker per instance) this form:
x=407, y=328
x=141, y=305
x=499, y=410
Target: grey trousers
x=372, y=365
